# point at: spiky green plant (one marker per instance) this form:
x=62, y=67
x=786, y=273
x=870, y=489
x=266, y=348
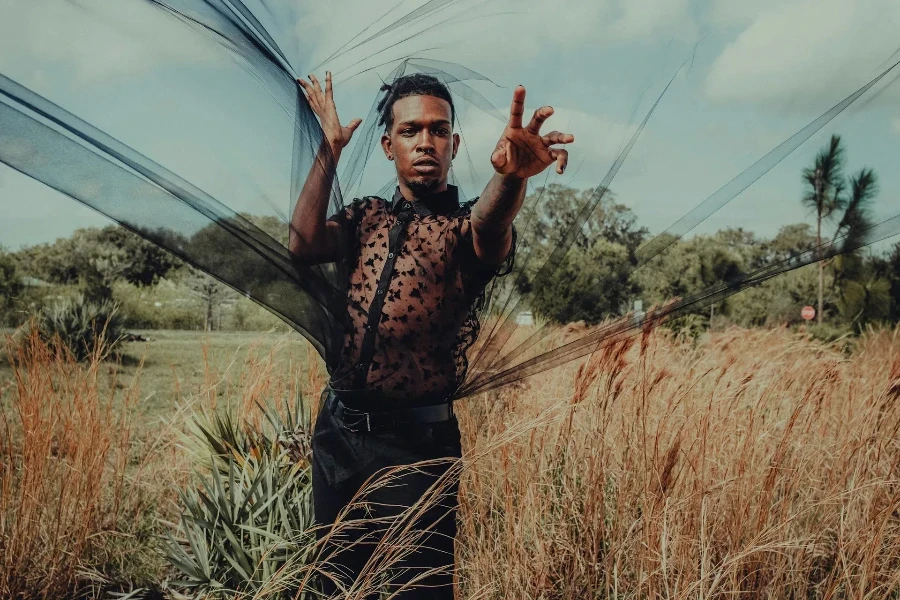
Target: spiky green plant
x=82, y=327
x=249, y=519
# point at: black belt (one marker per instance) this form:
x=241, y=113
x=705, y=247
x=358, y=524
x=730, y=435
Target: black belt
x=358, y=421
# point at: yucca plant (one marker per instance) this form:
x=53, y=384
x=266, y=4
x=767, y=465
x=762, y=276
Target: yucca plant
x=82, y=327
x=249, y=519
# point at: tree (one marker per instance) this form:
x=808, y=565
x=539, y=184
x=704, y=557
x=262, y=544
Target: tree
x=591, y=281
x=743, y=243
x=863, y=302
x=888, y=268
x=98, y=257
x=211, y=292
x=590, y=285
x=776, y=301
x=146, y=263
x=689, y=267
x=10, y=285
x=827, y=196
x=790, y=241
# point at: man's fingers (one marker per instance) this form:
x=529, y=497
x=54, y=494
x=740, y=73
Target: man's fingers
x=555, y=137
x=518, y=107
x=540, y=115
x=307, y=87
x=307, y=91
x=500, y=156
x=315, y=83
x=328, y=90
x=561, y=157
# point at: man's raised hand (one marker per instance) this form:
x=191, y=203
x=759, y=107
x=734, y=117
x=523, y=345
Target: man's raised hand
x=322, y=103
x=524, y=152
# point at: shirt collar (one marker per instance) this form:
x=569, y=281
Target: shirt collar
x=440, y=203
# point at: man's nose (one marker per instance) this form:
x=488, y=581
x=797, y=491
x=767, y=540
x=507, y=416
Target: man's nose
x=425, y=142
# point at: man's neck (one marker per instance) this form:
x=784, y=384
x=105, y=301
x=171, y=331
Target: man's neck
x=409, y=195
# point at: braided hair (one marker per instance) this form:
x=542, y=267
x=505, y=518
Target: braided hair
x=417, y=84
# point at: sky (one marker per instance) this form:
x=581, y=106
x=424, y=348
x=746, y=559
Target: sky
x=744, y=77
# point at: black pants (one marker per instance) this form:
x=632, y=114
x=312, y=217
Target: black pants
x=343, y=461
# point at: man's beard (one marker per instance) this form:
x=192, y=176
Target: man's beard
x=423, y=187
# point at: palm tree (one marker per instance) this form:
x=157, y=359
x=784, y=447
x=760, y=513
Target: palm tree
x=826, y=196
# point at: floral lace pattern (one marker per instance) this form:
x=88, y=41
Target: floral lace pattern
x=432, y=298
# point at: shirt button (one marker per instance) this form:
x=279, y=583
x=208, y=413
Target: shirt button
x=379, y=292
x=391, y=255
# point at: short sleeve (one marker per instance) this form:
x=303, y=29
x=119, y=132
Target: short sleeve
x=472, y=266
x=349, y=218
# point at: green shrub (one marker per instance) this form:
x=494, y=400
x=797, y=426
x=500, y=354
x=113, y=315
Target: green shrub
x=829, y=333
x=162, y=306
x=173, y=305
x=247, y=520
x=247, y=315
x=82, y=327
x=10, y=289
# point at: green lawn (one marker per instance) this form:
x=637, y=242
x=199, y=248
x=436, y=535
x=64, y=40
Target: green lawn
x=176, y=364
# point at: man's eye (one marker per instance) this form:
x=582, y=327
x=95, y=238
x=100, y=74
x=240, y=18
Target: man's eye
x=442, y=131
x=407, y=132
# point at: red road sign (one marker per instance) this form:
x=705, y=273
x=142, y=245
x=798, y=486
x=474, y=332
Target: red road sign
x=808, y=313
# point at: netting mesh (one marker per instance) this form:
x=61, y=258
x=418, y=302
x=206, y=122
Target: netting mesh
x=207, y=139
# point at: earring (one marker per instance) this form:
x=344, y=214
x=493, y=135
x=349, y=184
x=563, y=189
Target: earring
x=390, y=157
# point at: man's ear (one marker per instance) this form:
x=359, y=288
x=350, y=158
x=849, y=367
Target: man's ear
x=386, y=146
x=455, y=144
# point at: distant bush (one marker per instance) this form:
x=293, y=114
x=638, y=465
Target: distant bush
x=173, y=305
x=10, y=288
x=82, y=327
x=246, y=315
x=162, y=306
x=829, y=333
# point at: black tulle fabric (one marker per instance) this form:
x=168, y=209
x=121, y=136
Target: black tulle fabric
x=141, y=186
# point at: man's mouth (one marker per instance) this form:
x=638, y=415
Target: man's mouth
x=426, y=165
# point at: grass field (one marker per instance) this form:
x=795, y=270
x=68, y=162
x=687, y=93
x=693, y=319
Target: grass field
x=753, y=463
x=175, y=365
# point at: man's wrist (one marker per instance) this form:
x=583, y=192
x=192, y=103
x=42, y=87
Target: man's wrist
x=334, y=149
x=511, y=184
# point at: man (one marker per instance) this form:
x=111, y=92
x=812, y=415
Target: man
x=418, y=268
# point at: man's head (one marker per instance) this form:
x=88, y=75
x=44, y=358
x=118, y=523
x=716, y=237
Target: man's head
x=417, y=113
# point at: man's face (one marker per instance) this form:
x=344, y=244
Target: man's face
x=422, y=142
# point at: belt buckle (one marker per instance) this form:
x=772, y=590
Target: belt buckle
x=350, y=412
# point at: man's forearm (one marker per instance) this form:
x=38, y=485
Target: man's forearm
x=493, y=215
x=308, y=236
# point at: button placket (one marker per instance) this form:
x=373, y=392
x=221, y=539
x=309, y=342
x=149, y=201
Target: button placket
x=395, y=241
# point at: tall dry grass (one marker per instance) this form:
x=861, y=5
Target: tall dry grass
x=758, y=464
x=753, y=464
x=64, y=448
x=87, y=489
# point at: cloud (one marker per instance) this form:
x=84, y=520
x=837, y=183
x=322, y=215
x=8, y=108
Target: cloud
x=807, y=49
x=485, y=34
x=598, y=139
x=641, y=19
x=92, y=39
x=731, y=13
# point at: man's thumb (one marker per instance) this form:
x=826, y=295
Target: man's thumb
x=354, y=124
